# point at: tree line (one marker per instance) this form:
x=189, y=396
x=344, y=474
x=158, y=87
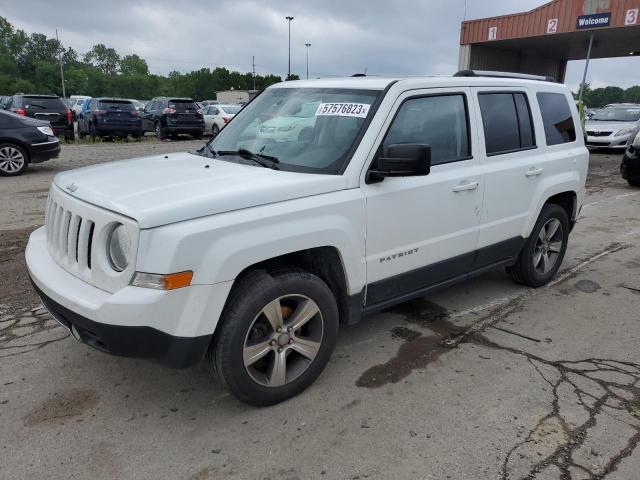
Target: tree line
x=599, y=97
x=29, y=63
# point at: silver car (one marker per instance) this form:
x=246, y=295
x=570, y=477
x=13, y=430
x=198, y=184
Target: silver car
x=615, y=126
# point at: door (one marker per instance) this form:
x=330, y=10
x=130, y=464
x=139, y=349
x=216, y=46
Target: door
x=423, y=230
x=147, y=116
x=514, y=166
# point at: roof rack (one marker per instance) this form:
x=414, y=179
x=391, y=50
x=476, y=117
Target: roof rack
x=486, y=73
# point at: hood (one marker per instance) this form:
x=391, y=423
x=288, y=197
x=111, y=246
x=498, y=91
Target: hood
x=609, y=126
x=171, y=188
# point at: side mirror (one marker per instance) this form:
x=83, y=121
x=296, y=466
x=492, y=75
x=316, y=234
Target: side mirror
x=402, y=160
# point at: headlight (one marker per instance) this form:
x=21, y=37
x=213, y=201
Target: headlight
x=636, y=141
x=626, y=131
x=46, y=130
x=119, y=248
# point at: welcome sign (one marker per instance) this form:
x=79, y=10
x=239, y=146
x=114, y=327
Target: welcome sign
x=596, y=20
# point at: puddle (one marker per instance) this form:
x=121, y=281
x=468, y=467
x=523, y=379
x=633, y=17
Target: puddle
x=587, y=286
x=418, y=350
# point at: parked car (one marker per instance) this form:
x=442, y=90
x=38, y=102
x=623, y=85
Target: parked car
x=3, y=101
x=23, y=141
x=49, y=108
x=615, y=126
x=172, y=116
x=109, y=117
x=217, y=116
x=75, y=103
x=630, y=166
x=138, y=104
x=291, y=126
x=252, y=252
x=206, y=103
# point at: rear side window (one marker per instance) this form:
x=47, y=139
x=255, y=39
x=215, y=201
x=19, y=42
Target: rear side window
x=183, y=106
x=556, y=116
x=43, y=103
x=438, y=121
x=116, y=105
x=506, y=118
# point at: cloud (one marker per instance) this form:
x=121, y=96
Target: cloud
x=404, y=37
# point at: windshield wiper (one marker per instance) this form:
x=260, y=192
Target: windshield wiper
x=261, y=159
x=206, y=148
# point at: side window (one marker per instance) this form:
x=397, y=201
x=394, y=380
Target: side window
x=214, y=111
x=506, y=119
x=439, y=121
x=556, y=116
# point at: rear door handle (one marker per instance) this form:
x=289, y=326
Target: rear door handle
x=466, y=186
x=534, y=172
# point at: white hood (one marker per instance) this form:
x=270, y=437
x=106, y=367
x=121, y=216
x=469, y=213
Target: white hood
x=171, y=188
x=597, y=125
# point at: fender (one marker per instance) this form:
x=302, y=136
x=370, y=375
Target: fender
x=218, y=248
x=568, y=181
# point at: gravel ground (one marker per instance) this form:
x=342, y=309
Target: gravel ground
x=485, y=380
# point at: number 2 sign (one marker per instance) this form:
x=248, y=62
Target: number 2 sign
x=493, y=33
x=631, y=17
x=552, y=25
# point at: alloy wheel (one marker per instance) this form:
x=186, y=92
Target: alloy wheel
x=11, y=160
x=548, y=246
x=283, y=340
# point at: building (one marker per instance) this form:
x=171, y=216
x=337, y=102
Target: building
x=543, y=40
x=236, y=96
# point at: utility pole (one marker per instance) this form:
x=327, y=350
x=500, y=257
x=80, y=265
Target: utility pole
x=289, y=19
x=64, y=93
x=253, y=64
x=586, y=67
x=307, y=45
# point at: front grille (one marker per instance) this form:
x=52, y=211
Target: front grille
x=77, y=235
x=69, y=236
x=598, y=134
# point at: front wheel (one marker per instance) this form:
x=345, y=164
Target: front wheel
x=215, y=130
x=13, y=160
x=160, y=133
x=544, y=250
x=634, y=182
x=276, y=336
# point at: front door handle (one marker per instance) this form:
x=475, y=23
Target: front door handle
x=463, y=187
x=534, y=172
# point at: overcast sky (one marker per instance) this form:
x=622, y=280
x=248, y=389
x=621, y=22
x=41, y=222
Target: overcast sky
x=400, y=37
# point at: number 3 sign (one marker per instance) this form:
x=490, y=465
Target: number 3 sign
x=631, y=18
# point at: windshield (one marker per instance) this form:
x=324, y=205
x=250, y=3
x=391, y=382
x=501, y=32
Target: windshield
x=310, y=130
x=43, y=103
x=618, y=114
x=116, y=105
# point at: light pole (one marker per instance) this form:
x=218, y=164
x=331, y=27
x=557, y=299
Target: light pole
x=307, y=45
x=289, y=68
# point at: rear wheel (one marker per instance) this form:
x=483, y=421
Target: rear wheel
x=197, y=136
x=634, y=182
x=276, y=336
x=13, y=160
x=92, y=132
x=160, y=134
x=544, y=250
x=215, y=130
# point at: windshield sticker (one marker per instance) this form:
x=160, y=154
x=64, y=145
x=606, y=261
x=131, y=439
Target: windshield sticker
x=359, y=110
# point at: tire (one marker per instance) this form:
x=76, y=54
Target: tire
x=531, y=268
x=81, y=134
x=92, y=132
x=293, y=293
x=160, y=134
x=215, y=130
x=197, y=136
x=634, y=182
x=14, y=160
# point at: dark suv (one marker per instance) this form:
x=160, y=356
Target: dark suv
x=49, y=108
x=109, y=117
x=172, y=116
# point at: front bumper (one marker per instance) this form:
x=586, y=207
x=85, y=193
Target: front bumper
x=173, y=328
x=609, y=142
x=41, y=152
x=630, y=166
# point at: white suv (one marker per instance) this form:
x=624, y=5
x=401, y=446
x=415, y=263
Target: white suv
x=251, y=252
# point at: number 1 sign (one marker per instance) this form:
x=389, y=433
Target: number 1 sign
x=493, y=33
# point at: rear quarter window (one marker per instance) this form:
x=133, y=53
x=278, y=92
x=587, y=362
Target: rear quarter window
x=557, y=119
